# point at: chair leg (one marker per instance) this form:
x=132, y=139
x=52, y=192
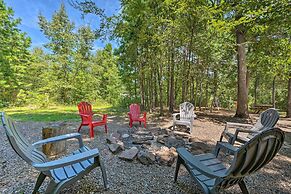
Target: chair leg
x=104, y=176
x=178, y=164
x=145, y=124
x=130, y=124
x=106, y=129
x=139, y=123
x=91, y=131
x=243, y=187
x=79, y=128
x=51, y=188
x=39, y=181
x=191, y=128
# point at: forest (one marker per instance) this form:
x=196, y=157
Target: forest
x=232, y=53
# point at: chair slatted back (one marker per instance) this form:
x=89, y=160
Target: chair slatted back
x=186, y=110
x=134, y=110
x=85, y=108
x=19, y=143
x=253, y=155
x=268, y=119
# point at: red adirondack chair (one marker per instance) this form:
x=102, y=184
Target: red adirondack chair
x=134, y=115
x=86, y=114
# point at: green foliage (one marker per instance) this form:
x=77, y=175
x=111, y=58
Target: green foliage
x=14, y=58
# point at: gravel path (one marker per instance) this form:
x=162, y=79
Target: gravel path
x=132, y=177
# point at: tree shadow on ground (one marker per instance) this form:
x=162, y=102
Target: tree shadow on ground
x=221, y=118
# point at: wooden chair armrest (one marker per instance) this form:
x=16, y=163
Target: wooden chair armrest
x=144, y=114
x=61, y=138
x=196, y=164
x=224, y=145
x=72, y=159
x=242, y=131
x=228, y=124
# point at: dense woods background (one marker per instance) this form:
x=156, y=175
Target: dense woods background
x=232, y=53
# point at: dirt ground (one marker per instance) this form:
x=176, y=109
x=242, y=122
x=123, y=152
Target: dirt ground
x=132, y=177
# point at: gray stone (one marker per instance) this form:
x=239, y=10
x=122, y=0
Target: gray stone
x=116, y=135
x=129, y=154
x=143, y=137
x=146, y=157
x=121, y=144
x=111, y=140
x=124, y=136
x=137, y=141
x=143, y=133
x=174, y=142
x=114, y=148
x=161, y=138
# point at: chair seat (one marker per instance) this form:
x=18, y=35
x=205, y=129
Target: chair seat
x=98, y=123
x=138, y=119
x=208, y=160
x=70, y=171
x=183, y=122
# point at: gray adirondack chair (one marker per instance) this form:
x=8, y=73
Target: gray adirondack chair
x=212, y=175
x=186, y=114
x=61, y=172
x=267, y=120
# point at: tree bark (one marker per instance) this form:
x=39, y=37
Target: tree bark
x=289, y=99
x=256, y=89
x=200, y=95
x=171, y=92
x=242, y=93
x=160, y=73
x=274, y=93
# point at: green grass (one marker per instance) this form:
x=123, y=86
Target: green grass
x=57, y=113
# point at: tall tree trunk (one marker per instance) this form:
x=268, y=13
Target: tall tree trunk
x=171, y=98
x=242, y=93
x=200, y=95
x=135, y=84
x=156, y=89
x=160, y=73
x=168, y=82
x=256, y=88
x=192, y=89
x=274, y=93
x=195, y=95
x=142, y=92
x=215, y=83
x=289, y=99
x=207, y=94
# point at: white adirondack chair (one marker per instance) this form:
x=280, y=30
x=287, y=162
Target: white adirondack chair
x=186, y=116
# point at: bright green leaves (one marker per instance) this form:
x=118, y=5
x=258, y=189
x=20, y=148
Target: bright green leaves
x=14, y=57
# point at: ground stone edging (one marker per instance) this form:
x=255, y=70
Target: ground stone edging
x=148, y=148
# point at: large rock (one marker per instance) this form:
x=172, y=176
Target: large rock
x=121, y=144
x=111, y=140
x=166, y=156
x=116, y=135
x=124, y=136
x=114, y=148
x=146, y=157
x=143, y=133
x=162, y=138
x=129, y=154
x=174, y=142
x=142, y=139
